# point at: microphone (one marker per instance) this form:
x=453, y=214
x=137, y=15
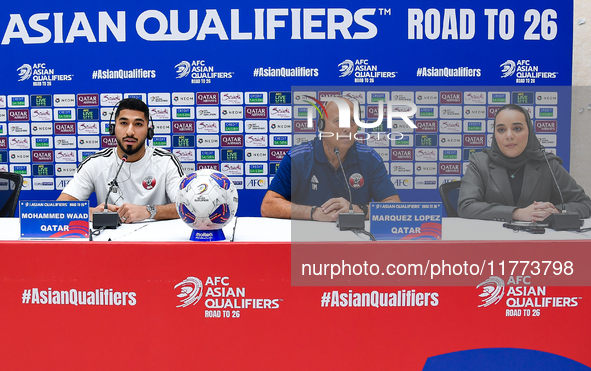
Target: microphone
x=114, y=183
x=350, y=220
x=108, y=219
x=563, y=220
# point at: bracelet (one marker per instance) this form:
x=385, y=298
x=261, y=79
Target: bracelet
x=312, y=212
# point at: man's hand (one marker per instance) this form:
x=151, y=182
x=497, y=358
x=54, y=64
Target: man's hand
x=332, y=208
x=100, y=208
x=130, y=213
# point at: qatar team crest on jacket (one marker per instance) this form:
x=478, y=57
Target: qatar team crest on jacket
x=356, y=180
x=149, y=182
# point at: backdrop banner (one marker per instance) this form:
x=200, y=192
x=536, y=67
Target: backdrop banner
x=225, y=81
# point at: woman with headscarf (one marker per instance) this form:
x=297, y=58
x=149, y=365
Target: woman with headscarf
x=512, y=180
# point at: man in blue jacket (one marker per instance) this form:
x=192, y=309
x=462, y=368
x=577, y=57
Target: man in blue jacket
x=309, y=182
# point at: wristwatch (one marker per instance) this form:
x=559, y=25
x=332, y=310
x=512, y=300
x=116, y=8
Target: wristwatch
x=152, y=210
x=364, y=208
x=312, y=212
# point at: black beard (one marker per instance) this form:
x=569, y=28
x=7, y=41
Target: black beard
x=129, y=150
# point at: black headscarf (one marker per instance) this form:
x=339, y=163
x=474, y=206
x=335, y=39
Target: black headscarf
x=532, y=151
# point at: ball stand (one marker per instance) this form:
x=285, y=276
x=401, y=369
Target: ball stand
x=207, y=235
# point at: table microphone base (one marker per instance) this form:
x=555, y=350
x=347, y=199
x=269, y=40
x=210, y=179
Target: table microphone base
x=563, y=221
x=347, y=221
x=106, y=219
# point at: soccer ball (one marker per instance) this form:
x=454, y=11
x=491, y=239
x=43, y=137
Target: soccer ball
x=206, y=200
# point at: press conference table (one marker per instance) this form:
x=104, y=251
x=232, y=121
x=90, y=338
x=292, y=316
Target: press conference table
x=255, y=311
x=281, y=230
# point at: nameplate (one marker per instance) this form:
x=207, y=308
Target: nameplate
x=405, y=220
x=54, y=219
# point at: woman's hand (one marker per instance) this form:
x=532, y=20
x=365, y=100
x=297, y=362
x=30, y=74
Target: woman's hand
x=542, y=210
x=535, y=212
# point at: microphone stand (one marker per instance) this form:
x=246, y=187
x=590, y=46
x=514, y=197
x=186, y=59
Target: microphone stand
x=563, y=220
x=350, y=220
x=108, y=219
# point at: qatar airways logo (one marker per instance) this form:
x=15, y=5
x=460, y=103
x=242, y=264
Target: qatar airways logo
x=18, y=115
x=231, y=140
x=183, y=127
x=43, y=156
x=401, y=154
x=256, y=112
x=301, y=126
x=474, y=140
x=546, y=126
x=426, y=126
x=65, y=128
x=215, y=167
x=492, y=111
x=450, y=168
x=207, y=98
x=450, y=97
x=374, y=111
x=88, y=99
x=109, y=141
x=322, y=95
x=278, y=154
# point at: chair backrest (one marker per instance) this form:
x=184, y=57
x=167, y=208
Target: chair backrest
x=10, y=189
x=450, y=192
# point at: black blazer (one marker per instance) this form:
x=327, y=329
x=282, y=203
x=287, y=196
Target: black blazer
x=486, y=193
